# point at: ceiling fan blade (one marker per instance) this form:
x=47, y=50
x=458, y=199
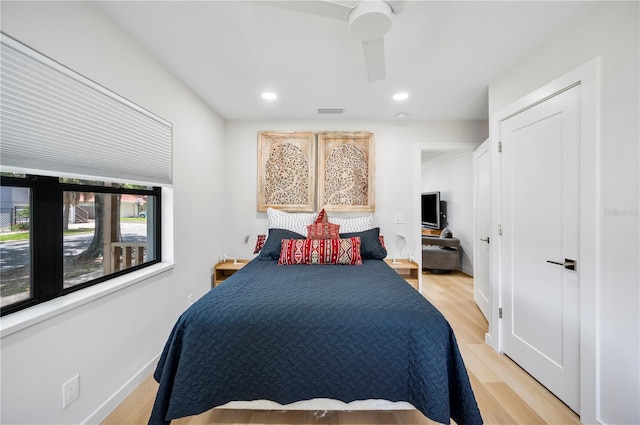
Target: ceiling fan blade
x=327, y=8
x=397, y=6
x=374, y=59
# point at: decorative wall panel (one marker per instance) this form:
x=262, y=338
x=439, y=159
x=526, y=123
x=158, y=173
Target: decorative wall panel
x=346, y=171
x=286, y=171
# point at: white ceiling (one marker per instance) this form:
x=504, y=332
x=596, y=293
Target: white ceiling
x=443, y=53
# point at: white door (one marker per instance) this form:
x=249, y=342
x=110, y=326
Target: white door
x=482, y=202
x=540, y=237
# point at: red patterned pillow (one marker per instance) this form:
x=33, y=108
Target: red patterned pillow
x=259, y=243
x=324, y=230
x=322, y=217
x=382, y=241
x=294, y=251
x=321, y=251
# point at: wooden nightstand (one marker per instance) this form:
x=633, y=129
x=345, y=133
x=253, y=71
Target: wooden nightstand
x=224, y=269
x=407, y=269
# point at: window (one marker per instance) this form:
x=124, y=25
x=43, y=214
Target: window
x=58, y=127
x=60, y=235
x=15, y=244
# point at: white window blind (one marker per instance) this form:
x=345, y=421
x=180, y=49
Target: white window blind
x=57, y=122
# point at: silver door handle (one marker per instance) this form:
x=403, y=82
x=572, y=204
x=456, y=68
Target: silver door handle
x=486, y=240
x=568, y=264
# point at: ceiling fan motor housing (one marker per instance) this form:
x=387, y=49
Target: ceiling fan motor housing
x=370, y=20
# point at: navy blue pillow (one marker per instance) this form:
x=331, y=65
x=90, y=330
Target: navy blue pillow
x=371, y=248
x=271, y=248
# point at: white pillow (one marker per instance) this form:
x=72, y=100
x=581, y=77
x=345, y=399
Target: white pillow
x=295, y=222
x=355, y=224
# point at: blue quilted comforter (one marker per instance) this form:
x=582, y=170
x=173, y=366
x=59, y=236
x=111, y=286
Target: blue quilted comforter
x=290, y=333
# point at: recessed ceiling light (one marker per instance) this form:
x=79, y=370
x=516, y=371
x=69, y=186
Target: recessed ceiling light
x=401, y=115
x=401, y=96
x=269, y=96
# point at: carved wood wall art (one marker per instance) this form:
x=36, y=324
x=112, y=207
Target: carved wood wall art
x=286, y=171
x=346, y=171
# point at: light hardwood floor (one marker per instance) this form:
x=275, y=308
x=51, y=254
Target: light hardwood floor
x=505, y=393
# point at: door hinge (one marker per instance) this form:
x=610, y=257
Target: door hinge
x=500, y=313
x=500, y=229
x=499, y=147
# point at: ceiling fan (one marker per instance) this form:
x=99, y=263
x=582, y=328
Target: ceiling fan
x=369, y=21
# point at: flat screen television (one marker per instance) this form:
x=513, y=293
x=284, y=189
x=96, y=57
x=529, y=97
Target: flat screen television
x=431, y=210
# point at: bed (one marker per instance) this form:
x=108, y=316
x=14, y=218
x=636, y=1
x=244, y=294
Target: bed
x=287, y=333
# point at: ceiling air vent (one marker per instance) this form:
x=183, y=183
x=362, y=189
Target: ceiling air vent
x=331, y=110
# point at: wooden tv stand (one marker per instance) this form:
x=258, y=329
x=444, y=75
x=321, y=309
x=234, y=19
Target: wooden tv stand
x=431, y=232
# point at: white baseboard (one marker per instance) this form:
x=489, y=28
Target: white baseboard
x=101, y=413
x=467, y=271
x=491, y=342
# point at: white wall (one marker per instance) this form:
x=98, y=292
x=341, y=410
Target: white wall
x=453, y=178
x=397, y=156
x=112, y=342
x=610, y=31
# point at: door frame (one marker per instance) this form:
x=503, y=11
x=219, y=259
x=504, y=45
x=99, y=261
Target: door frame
x=589, y=261
x=417, y=148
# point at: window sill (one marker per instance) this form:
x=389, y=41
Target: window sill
x=23, y=319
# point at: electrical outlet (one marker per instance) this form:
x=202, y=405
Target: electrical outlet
x=399, y=218
x=70, y=391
